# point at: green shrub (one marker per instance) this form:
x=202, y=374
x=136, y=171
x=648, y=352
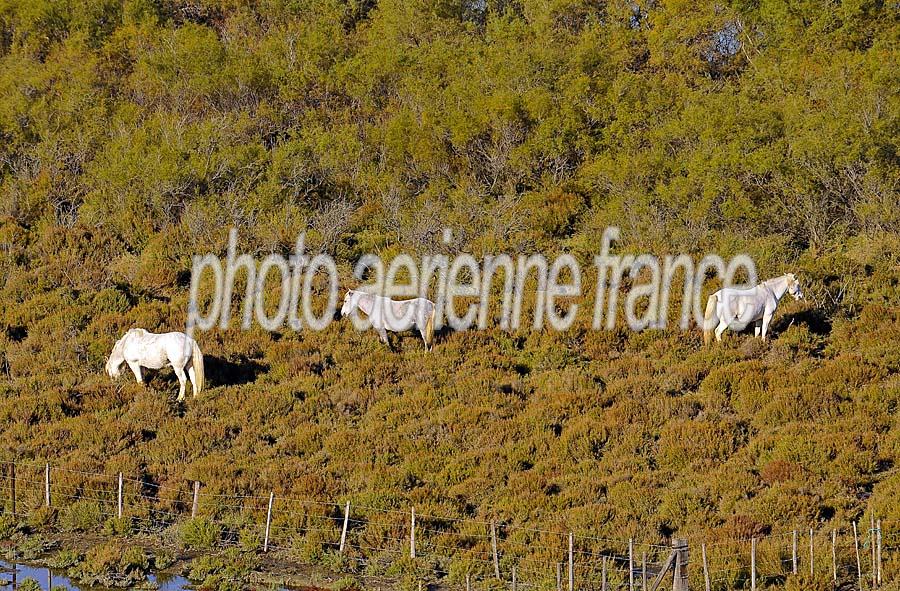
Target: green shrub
x=118, y=526
x=250, y=538
x=347, y=584
x=31, y=547
x=113, y=565
x=163, y=559
x=199, y=533
x=81, y=516
x=41, y=518
x=65, y=559
x=230, y=567
x=9, y=526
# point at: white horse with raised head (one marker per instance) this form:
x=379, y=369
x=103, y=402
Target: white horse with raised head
x=738, y=308
x=139, y=348
x=386, y=314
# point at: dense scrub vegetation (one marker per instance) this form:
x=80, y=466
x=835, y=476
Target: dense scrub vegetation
x=135, y=133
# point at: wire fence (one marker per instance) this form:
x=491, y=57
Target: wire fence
x=393, y=544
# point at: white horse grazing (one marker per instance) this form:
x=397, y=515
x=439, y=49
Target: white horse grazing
x=386, y=314
x=737, y=308
x=139, y=348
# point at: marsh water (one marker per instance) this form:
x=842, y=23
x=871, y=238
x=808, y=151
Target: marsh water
x=12, y=576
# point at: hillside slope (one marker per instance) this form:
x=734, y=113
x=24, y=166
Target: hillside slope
x=135, y=134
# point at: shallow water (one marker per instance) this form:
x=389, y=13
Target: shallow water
x=48, y=578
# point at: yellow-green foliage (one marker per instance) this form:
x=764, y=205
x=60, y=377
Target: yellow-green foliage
x=199, y=533
x=227, y=570
x=8, y=527
x=81, y=516
x=133, y=135
x=113, y=565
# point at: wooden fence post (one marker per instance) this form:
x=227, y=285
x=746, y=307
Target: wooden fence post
x=872, y=546
x=468, y=582
x=706, y=583
x=878, y=540
x=811, y=559
x=630, y=564
x=412, y=533
x=571, y=561
x=344, y=528
x=794, y=554
x=514, y=580
x=858, y=562
x=47, y=485
x=603, y=576
x=753, y=564
x=494, y=550
x=120, y=505
x=644, y=571
x=268, y=522
x=834, y=554
x=680, y=548
x=12, y=487
x=196, y=504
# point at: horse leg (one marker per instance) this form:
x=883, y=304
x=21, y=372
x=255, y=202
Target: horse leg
x=136, y=369
x=757, y=328
x=179, y=371
x=720, y=329
x=767, y=318
x=382, y=333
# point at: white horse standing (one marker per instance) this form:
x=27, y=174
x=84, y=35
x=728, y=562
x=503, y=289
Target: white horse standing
x=139, y=348
x=737, y=308
x=386, y=314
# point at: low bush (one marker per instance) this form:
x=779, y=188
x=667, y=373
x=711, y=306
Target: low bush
x=81, y=516
x=30, y=547
x=226, y=570
x=65, y=559
x=119, y=526
x=29, y=584
x=163, y=559
x=42, y=518
x=199, y=533
x=113, y=565
x=9, y=526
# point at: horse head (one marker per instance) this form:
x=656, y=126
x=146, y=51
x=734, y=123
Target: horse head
x=794, y=287
x=116, y=358
x=348, y=303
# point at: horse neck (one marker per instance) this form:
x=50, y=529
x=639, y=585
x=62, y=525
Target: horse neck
x=116, y=357
x=778, y=286
x=119, y=347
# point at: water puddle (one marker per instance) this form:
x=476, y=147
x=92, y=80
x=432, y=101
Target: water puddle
x=12, y=575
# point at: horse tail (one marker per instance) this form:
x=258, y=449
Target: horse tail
x=709, y=318
x=197, y=360
x=429, y=329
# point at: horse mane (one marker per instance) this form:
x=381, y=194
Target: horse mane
x=117, y=348
x=779, y=278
